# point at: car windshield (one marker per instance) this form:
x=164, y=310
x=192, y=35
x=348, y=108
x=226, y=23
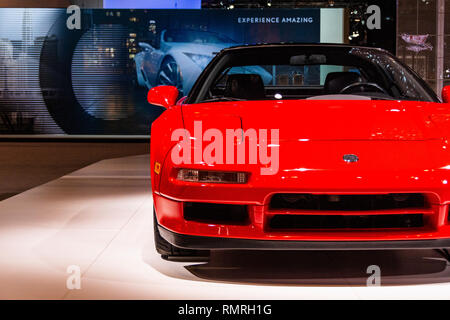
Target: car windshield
x=309, y=72
x=195, y=37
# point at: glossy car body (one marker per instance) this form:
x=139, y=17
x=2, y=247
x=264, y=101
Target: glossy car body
x=402, y=150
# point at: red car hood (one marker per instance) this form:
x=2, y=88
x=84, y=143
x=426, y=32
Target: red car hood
x=328, y=120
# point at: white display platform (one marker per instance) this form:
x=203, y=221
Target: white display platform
x=100, y=219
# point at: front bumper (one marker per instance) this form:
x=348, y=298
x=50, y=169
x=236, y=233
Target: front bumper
x=170, y=217
x=386, y=173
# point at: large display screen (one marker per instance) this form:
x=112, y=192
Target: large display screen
x=89, y=75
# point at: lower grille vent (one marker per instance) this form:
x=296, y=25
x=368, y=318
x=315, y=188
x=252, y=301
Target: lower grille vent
x=287, y=222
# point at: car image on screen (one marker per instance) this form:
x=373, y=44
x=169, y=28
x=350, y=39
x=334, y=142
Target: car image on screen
x=179, y=56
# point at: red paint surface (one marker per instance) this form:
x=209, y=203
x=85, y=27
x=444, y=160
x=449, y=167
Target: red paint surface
x=402, y=148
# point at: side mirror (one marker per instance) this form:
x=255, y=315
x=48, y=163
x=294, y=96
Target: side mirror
x=164, y=96
x=446, y=94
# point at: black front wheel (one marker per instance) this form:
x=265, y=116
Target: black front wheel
x=170, y=75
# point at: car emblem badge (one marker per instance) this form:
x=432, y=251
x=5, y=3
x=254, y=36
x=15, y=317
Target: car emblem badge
x=350, y=158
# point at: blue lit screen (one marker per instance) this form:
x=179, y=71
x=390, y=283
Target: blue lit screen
x=152, y=4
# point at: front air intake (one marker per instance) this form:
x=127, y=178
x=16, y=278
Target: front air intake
x=334, y=202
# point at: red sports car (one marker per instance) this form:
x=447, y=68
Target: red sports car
x=342, y=148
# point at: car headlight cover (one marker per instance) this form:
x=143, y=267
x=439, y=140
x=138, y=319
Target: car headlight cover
x=192, y=175
x=201, y=60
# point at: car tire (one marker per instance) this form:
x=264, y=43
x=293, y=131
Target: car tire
x=170, y=252
x=169, y=74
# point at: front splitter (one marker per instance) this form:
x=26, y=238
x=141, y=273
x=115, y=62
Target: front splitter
x=218, y=243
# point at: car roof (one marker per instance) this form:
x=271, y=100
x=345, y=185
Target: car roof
x=303, y=45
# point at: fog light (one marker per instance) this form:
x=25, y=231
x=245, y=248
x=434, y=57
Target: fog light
x=191, y=175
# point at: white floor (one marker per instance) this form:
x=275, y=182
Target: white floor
x=100, y=219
